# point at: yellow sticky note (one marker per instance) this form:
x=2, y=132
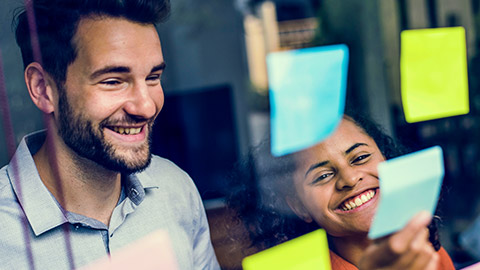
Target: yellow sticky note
x=307, y=252
x=433, y=69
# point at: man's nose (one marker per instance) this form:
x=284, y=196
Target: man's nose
x=141, y=101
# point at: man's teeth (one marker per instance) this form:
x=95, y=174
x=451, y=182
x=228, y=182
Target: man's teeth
x=128, y=131
x=357, y=201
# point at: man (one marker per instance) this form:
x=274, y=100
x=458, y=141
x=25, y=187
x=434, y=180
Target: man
x=88, y=185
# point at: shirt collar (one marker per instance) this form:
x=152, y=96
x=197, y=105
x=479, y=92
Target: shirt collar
x=40, y=207
x=34, y=198
x=144, y=179
x=137, y=184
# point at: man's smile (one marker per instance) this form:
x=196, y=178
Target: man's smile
x=128, y=134
x=126, y=130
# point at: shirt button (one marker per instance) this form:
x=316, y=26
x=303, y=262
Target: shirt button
x=134, y=192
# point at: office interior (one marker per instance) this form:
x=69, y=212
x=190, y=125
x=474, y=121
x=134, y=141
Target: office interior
x=216, y=88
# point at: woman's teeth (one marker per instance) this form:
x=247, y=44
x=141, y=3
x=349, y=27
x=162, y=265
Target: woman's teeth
x=128, y=131
x=358, y=200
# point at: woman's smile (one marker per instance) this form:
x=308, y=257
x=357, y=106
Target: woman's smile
x=358, y=202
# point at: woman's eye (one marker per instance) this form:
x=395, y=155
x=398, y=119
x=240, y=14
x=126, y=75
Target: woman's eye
x=361, y=159
x=321, y=178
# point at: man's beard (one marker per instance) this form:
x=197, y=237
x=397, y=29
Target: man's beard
x=88, y=141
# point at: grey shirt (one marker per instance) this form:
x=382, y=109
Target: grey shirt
x=36, y=233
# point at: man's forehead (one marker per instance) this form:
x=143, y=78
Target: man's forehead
x=93, y=24
x=101, y=41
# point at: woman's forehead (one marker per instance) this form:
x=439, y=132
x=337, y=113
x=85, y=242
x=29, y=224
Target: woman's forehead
x=345, y=136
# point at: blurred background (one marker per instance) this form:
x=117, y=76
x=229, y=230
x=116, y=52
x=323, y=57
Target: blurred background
x=217, y=100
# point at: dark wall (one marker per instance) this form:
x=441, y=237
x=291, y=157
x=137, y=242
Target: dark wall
x=24, y=115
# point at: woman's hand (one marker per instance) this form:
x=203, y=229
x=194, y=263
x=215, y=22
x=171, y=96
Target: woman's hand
x=408, y=248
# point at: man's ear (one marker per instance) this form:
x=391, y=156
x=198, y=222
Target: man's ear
x=40, y=87
x=297, y=207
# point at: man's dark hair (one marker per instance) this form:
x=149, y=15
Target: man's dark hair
x=56, y=23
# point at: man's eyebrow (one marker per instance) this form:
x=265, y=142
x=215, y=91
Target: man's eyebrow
x=122, y=69
x=316, y=165
x=353, y=147
x=156, y=68
x=109, y=69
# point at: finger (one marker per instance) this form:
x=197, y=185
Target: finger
x=399, y=242
x=419, y=255
x=433, y=264
x=420, y=240
x=427, y=260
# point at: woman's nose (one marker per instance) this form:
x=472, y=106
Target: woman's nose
x=349, y=178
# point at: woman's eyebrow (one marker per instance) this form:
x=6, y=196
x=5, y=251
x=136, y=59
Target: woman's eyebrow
x=316, y=165
x=353, y=147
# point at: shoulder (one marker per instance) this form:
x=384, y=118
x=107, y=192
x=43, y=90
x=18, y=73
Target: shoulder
x=167, y=176
x=6, y=191
x=445, y=260
x=163, y=165
x=3, y=178
x=162, y=169
x=10, y=210
x=338, y=263
x=169, y=186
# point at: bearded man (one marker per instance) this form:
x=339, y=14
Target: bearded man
x=88, y=184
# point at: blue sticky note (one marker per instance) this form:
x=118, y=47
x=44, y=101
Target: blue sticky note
x=307, y=252
x=307, y=95
x=408, y=185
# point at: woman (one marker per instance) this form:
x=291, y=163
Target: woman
x=334, y=185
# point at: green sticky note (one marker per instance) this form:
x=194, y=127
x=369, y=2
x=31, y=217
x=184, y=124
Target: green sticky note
x=309, y=251
x=433, y=69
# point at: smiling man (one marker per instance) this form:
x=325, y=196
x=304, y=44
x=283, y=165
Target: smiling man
x=88, y=184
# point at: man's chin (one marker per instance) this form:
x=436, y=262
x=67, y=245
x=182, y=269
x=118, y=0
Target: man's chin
x=126, y=166
x=129, y=161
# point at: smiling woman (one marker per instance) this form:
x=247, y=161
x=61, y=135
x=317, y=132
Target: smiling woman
x=332, y=185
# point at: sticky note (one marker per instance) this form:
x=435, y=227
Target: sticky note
x=152, y=252
x=472, y=267
x=307, y=95
x=433, y=68
x=408, y=185
x=307, y=252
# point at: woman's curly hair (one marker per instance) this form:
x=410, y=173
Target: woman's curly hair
x=261, y=183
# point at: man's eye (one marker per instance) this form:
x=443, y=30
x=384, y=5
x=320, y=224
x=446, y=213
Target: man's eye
x=111, y=82
x=153, y=77
x=153, y=80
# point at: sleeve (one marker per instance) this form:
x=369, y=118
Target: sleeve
x=204, y=255
x=445, y=260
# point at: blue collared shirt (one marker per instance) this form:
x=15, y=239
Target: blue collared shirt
x=36, y=233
